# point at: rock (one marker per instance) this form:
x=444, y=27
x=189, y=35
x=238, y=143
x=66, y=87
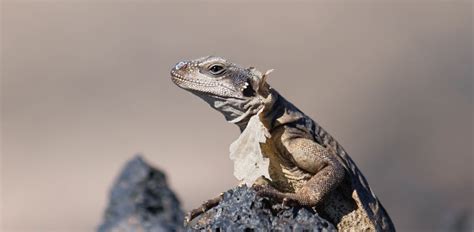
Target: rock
x=140, y=200
x=242, y=210
x=460, y=220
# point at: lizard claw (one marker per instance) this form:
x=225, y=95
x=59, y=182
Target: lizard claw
x=187, y=218
x=193, y=214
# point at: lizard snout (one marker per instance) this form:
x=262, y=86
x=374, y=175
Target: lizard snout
x=179, y=70
x=180, y=65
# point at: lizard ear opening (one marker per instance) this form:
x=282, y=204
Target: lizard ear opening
x=249, y=91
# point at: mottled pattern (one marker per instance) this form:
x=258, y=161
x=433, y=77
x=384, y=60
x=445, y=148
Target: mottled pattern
x=307, y=165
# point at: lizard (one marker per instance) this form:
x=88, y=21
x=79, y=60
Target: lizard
x=308, y=167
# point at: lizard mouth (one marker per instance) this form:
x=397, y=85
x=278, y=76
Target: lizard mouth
x=207, y=88
x=177, y=76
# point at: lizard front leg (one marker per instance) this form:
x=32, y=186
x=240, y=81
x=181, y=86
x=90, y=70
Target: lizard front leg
x=312, y=158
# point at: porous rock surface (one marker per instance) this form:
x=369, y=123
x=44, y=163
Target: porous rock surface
x=242, y=210
x=140, y=200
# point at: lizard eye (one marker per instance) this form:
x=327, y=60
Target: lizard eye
x=216, y=69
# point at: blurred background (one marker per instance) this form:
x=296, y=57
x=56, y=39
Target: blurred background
x=85, y=86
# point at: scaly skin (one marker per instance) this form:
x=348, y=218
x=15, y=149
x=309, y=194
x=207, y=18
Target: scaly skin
x=308, y=167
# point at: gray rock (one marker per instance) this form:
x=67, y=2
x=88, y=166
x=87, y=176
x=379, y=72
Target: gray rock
x=242, y=210
x=140, y=200
x=459, y=220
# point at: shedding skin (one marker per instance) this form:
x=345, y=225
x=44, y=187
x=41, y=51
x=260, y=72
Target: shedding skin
x=308, y=167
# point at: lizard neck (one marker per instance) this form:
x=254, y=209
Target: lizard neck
x=236, y=111
x=253, y=107
x=258, y=105
x=275, y=110
x=278, y=111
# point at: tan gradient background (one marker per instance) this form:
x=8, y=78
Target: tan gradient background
x=85, y=85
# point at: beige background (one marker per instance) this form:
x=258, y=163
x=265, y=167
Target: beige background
x=85, y=85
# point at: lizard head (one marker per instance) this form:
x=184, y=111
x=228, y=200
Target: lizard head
x=234, y=91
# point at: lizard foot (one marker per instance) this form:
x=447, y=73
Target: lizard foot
x=286, y=199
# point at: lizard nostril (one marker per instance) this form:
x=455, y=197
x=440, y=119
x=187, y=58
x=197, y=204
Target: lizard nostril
x=180, y=65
